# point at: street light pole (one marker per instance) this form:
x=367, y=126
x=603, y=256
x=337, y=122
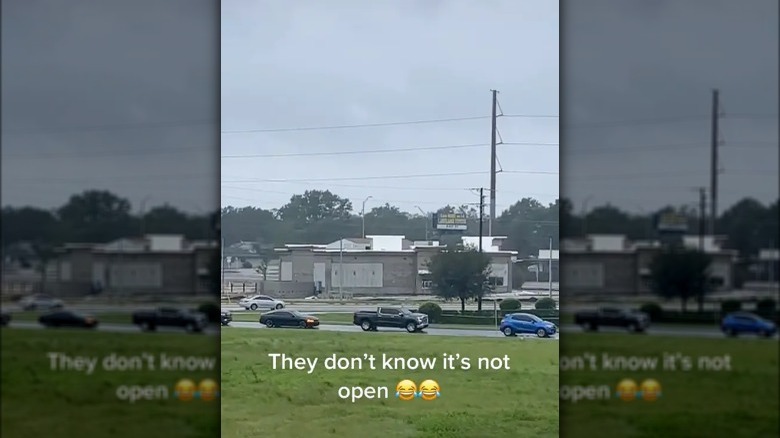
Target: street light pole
x=341, y=268
x=584, y=215
x=426, y=221
x=142, y=215
x=363, y=215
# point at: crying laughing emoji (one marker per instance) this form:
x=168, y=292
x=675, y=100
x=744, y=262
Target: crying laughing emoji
x=429, y=390
x=406, y=390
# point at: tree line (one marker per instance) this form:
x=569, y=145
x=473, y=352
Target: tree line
x=99, y=216
x=321, y=217
x=748, y=225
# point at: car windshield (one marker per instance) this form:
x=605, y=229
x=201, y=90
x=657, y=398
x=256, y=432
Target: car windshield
x=297, y=314
x=406, y=311
x=535, y=318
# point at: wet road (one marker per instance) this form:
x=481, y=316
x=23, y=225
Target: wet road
x=113, y=328
x=428, y=331
x=677, y=331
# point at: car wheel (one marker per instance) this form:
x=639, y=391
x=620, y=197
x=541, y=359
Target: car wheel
x=411, y=327
x=366, y=325
x=253, y=307
x=593, y=327
x=542, y=333
x=632, y=327
x=508, y=331
x=302, y=324
x=279, y=306
x=766, y=334
x=269, y=324
x=731, y=332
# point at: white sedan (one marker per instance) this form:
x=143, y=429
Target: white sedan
x=41, y=302
x=261, y=302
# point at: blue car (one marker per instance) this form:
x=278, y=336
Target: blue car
x=523, y=323
x=742, y=322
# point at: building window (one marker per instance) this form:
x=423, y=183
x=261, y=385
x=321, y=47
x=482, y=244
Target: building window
x=496, y=281
x=427, y=284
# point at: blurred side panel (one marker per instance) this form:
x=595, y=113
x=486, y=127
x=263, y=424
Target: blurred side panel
x=110, y=226
x=669, y=253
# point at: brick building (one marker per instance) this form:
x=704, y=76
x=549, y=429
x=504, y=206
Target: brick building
x=613, y=265
x=154, y=264
x=374, y=266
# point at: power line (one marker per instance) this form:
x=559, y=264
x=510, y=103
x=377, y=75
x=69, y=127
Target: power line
x=665, y=120
x=361, y=152
x=746, y=172
x=360, y=178
x=530, y=116
x=379, y=124
x=672, y=146
x=381, y=151
x=362, y=125
x=365, y=178
x=110, y=127
x=112, y=178
x=103, y=153
x=395, y=188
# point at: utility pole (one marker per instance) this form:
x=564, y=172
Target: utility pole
x=702, y=220
x=714, y=164
x=481, y=214
x=481, y=221
x=549, y=266
x=702, y=216
x=493, y=160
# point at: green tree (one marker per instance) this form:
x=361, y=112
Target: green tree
x=313, y=206
x=460, y=273
x=28, y=224
x=680, y=273
x=97, y=216
x=748, y=226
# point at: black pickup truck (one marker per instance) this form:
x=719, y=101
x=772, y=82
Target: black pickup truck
x=390, y=317
x=170, y=317
x=608, y=317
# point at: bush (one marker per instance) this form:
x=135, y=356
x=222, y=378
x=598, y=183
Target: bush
x=546, y=304
x=653, y=310
x=766, y=306
x=729, y=306
x=211, y=310
x=433, y=311
x=510, y=304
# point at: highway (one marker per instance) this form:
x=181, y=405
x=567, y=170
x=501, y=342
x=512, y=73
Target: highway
x=112, y=328
x=669, y=330
x=675, y=331
x=428, y=331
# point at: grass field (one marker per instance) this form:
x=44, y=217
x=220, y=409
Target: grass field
x=742, y=402
x=40, y=402
x=260, y=401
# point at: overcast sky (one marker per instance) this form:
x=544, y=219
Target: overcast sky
x=303, y=64
x=637, y=79
x=111, y=94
